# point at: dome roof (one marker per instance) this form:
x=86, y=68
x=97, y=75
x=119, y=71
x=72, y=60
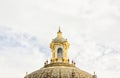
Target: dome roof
x=59, y=67
x=59, y=40
x=59, y=71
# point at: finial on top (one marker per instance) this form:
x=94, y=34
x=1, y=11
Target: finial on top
x=59, y=33
x=26, y=74
x=59, y=29
x=94, y=75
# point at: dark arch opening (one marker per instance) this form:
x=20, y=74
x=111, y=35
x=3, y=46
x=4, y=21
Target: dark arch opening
x=59, y=53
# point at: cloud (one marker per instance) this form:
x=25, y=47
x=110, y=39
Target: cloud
x=91, y=26
x=18, y=52
x=25, y=52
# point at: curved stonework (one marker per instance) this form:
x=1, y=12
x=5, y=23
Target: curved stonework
x=59, y=72
x=59, y=66
x=57, y=40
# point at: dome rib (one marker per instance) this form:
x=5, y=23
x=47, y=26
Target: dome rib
x=59, y=72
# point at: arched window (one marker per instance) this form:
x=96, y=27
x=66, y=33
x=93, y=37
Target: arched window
x=59, y=53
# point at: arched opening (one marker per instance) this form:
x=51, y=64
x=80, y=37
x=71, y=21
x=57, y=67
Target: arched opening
x=59, y=53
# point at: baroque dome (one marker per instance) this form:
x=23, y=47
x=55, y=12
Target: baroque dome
x=61, y=40
x=59, y=66
x=59, y=71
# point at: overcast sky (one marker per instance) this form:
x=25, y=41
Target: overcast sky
x=92, y=28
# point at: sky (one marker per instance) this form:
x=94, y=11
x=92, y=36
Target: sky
x=92, y=28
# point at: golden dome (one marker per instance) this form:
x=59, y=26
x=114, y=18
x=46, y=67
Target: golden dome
x=59, y=67
x=59, y=38
x=59, y=71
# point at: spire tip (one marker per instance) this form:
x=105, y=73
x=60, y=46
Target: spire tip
x=59, y=29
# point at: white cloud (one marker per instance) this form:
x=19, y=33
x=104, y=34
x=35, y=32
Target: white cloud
x=91, y=26
x=18, y=52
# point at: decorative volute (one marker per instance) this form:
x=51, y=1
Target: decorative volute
x=59, y=47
